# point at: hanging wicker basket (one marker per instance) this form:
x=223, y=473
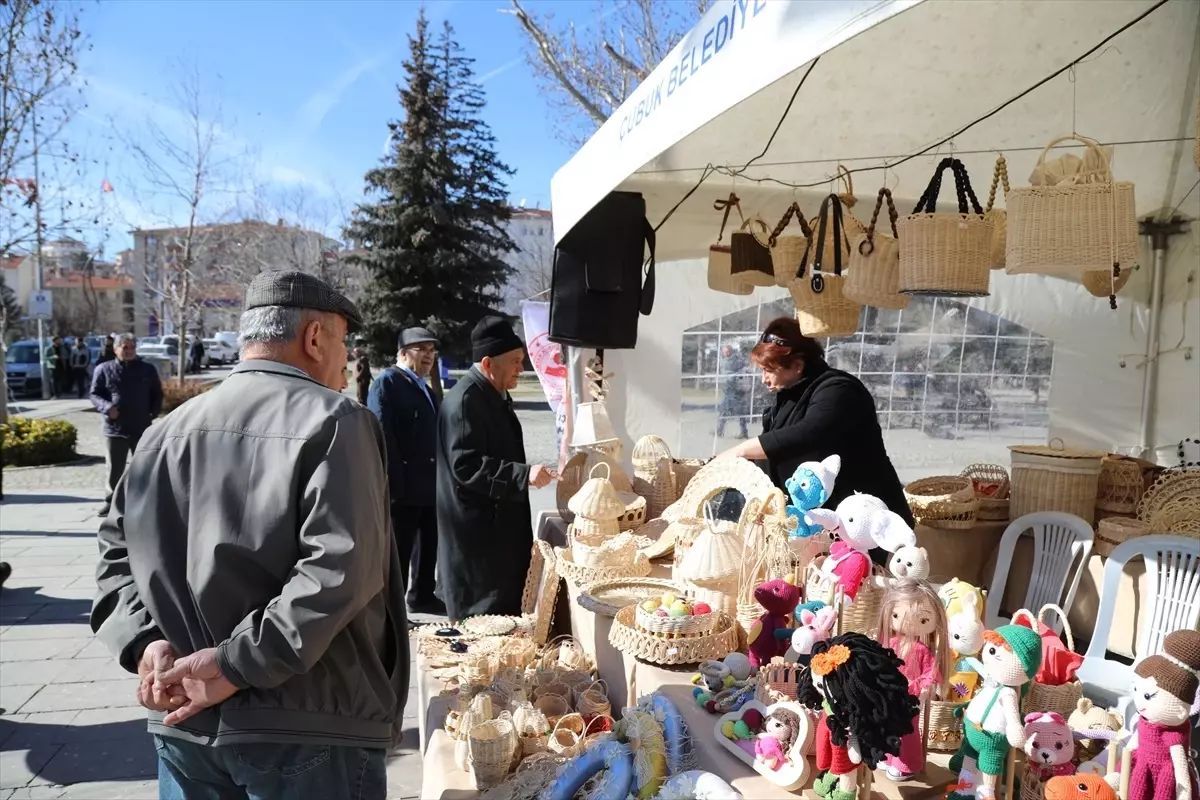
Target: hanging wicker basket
x=943, y=502
x=786, y=251
x=946, y=254
x=750, y=254
x=997, y=218
x=720, y=256
x=1114, y=531
x=873, y=278
x=1054, y=478
x=822, y=309
x=991, y=485
x=1102, y=283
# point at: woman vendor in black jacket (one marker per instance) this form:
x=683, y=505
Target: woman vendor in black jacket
x=819, y=411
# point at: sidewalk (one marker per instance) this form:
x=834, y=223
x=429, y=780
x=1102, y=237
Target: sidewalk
x=46, y=409
x=70, y=726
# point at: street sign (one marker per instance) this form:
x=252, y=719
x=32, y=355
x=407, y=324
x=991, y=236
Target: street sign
x=41, y=304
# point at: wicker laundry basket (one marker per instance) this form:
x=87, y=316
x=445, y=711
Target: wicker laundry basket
x=1054, y=478
x=873, y=278
x=946, y=254
x=1085, y=224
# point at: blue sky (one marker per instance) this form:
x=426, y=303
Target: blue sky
x=309, y=86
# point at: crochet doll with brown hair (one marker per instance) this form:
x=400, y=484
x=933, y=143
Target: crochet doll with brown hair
x=1165, y=695
x=866, y=709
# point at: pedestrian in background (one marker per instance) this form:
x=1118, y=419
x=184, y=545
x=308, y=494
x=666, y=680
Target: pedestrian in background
x=407, y=409
x=128, y=392
x=362, y=375
x=109, y=352
x=485, y=532
x=81, y=359
x=248, y=573
x=57, y=362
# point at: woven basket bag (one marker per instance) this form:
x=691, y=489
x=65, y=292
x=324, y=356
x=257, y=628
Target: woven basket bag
x=946, y=254
x=750, y=255
x=786, y=251
x=822, y=308
x=1111, y=532
x=1067, y=229
x=998, y=217
x=873, y=277
x=720, y=257
x=1051, y=699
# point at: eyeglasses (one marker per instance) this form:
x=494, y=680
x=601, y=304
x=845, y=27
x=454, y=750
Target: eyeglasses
x=779, y=341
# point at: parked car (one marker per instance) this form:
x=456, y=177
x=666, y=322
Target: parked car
x=220, y=352
x=173, y=340
x=22, y=368
x=164, y=357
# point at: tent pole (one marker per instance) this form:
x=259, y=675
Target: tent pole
x=1160, y=233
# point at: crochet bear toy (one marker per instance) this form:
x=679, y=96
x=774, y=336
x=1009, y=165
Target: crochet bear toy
x=909, y=562
x=780, y=599
x=1049, y=746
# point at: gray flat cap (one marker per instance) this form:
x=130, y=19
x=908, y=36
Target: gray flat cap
x=410, y=337
x=300, y=290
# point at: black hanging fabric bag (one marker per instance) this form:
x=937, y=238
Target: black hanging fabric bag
x=596, y=290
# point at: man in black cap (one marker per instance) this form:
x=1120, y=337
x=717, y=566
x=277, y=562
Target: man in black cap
x=484, y=526
x=248, y=573
x=407, y=409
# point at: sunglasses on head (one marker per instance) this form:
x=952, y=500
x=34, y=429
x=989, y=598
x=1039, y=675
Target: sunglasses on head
x=779, y=341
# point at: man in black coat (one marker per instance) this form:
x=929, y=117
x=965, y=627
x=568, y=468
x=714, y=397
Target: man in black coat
x=485, y=533
x=407, y=410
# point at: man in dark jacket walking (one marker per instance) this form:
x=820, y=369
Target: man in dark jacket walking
x=485, y=534
x=248, y=573
x=81, y=358
x=128, y=392
x=407, y=410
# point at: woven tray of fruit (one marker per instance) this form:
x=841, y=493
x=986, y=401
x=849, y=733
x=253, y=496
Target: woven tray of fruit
x=675, y=615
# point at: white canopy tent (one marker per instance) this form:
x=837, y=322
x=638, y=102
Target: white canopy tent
x=891, y=79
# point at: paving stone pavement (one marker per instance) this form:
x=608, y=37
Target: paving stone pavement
x=70, y=726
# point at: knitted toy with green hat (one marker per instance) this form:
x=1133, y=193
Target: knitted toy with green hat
x=1011, y=656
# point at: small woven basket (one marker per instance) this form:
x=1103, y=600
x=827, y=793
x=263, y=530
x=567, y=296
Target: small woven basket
x=629, y=639
x=991, y=485
x=581, y=577
x=873, y=278
x=1113, y=531
x=1102, y=282
x=997, y=217
x=862, y=615
x=684, y=470
x=1120, y=487
x=592, y=701
x=670, y=627
x=1054, y=478
x=779, y=681
x=565, y=654
x=516, y=652
x=946, y=254
x=944, y=501
x=945, y=730
x=653, y=478
x=553, y=706
x=567, y=735
x=1070, y=228
x=1051, y=699
x=491, y=749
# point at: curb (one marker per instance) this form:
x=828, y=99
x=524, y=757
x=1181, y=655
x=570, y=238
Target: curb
x=79, y=462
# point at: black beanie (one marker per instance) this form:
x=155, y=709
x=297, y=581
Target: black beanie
x=493, y=336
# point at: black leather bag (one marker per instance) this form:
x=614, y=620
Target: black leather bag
x=597, y=289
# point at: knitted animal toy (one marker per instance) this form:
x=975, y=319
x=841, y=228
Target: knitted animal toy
x=780, y=599
x=1088, y=717
x=1012, y=655
x=814, y=627
x=1079, y=787
x=861, y=522
x=857, y=685
x=780, y=729
x=1164, y=693
x=909, y=562
x=1049, y=747
x=954, y=595
x=966, y=640
x=912, y=623
x=810, y=487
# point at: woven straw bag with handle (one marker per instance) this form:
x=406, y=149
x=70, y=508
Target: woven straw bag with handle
x=821, y=305
x=946, y=254
x=720, y=257
x=750, y=253
x=874, y=275
x=997, y=216
x=786, y=251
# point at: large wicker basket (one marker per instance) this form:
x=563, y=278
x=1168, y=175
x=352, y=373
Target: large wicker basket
x=1114, y=531
x=992, y=487
x=629, y=639
x=945, y=501
x=822, y=309
x=873, y=278
x=1121, y=485
x=946, y=254
x=1054, y=478
x=1066, y=229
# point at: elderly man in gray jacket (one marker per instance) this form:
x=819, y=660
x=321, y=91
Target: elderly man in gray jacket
x=248, y=573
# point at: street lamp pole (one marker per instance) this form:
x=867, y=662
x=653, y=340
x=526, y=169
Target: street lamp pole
x=37, y=212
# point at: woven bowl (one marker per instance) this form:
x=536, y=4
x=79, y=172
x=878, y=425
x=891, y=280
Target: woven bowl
x=581, y=577
x=626, y=637
x=695, y=625
x=943, y=501
x=609, y=597
x=600, y=552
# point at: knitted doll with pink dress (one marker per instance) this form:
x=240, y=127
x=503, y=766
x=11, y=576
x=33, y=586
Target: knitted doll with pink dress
x=1165, y=695
x=914, y=621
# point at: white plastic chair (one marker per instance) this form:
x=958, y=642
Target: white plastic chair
x=1173, y=580
x=1061, y=546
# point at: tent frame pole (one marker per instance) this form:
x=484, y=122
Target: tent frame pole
x=1160, y=233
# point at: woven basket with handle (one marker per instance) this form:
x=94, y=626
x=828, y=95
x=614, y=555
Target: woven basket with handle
x=720, y=256
x=946, y=254
x=873, y=278
x=786, y=251
x=750, y=254
x=822, y=307
x=1073, y=227
x=1051, y=699
x=943, y=502
x=991, y=485
x=997, y=217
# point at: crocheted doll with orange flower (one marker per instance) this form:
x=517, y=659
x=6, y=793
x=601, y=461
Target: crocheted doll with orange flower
x=866, y=709
x=1164, y=693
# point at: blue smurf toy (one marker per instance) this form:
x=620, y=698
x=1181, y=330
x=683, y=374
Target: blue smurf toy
x=810, y=487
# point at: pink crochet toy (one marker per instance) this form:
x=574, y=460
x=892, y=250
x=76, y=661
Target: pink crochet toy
x=1049, y=746
x=1164, y=693
x=780, y=599
x=779, y=733
x=861, y=522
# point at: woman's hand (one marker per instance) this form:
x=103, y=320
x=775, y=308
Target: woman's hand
x=749, y=449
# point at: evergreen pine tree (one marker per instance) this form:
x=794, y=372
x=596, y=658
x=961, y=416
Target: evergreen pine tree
x=434, y=237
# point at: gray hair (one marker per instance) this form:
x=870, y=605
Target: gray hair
x=270, y=325
x=125, y=337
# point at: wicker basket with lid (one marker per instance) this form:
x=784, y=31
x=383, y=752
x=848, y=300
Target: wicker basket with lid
x=1054, y=478
x=597, y=506
x=653, y=477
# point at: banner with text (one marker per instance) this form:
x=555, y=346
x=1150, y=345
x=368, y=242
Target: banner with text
x=547, y=359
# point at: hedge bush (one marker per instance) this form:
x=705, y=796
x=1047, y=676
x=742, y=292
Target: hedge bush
x=36, y=442
x=175, y=395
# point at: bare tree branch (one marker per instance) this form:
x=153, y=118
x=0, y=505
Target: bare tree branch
x=548, y=52
x=625, y=63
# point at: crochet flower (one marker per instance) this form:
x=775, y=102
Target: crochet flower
x=831, y=659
